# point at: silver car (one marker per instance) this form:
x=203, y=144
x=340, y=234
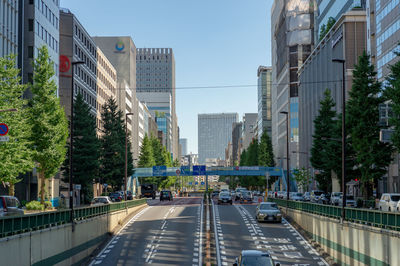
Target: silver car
x=10, y=206
x=335, y=198
x=268, y=212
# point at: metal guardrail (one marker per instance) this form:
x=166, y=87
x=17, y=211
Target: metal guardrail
x=31, y=222
x=381, y=219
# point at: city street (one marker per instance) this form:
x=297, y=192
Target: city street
x=164, y=233
x=238, y=230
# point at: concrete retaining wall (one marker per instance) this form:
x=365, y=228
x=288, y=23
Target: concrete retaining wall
x=350, y=243
x=59, y=245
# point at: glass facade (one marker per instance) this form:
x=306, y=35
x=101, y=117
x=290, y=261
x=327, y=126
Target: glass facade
x=264, y=100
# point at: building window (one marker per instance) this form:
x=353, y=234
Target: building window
x=30, y=51
x=31, y=2
x=30, y=24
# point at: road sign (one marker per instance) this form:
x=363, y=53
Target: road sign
x=178, y=172
x=4, y=139
x=202, y=183
x=185, y=170
x=199, y=170
x=190, y=183
x=159, y=170
x=3, y=129
x=196, y=183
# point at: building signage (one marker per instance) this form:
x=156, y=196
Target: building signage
x=65, y=63
x=160, y=170
x=251, y=168
x=119, y=47
x=199, y=170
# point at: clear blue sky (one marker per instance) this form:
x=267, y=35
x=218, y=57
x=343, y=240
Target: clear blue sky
x=215, y=42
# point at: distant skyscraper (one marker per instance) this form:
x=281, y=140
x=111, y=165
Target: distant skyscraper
x=292, y=40
x=214, y=134
x=237, y=142
x=249, y=128
x=155, y=79
x=183, y=142
x=264, y=75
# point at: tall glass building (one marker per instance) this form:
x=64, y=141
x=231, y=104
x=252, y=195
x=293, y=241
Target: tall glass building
x=214, y=133
x=264, y=85
x=9, y=12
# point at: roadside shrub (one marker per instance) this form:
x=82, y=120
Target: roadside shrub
x=48, y=205
x=34, y=205
x=23, y=203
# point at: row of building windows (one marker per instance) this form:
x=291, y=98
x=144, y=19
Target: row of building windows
x=149, y=57
x=85, y=41
x=42, y=7
x=387, y=34
x=43, y=34
x=86, y=78
x=9, y=15
x=86, y=96
x=81, y=55
x=386, y=59
x=384, y=12
x=105, y=81
x=106, y=68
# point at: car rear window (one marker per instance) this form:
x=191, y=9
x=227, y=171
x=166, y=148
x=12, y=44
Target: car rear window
x=165, y=193
x=256, y=261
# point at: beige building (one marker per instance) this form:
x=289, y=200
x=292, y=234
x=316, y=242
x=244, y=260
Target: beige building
x=106, y=85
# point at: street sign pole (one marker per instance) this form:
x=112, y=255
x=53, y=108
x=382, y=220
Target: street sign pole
x=207, y=183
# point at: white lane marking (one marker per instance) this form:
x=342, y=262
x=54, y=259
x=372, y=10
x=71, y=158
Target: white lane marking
x=199, y=260
x=117, y=237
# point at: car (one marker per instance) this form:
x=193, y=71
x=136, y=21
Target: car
x=115, y=197
x=224, y=190
x=101, y=200
x=324, y=198
x=166, y=195
x=246, y=196
x=238, y=191
x=307, y=196
x=350, y=201
x=215, y=193
x=398, y=206
x=10, y=206
x=255, y=257
x=224, y=197
x=335, y=197
x=296, y=196
x=268, y=212
x=129, y=195
x=315, y=195
x=389, y=202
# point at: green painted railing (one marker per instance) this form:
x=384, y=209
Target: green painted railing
x=31, y=222
x=387, y=220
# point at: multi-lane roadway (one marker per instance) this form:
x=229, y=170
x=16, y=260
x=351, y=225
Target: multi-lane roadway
x=173, y=233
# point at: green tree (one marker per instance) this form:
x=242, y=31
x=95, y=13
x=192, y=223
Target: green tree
x=146, y=158
x=252, y=153
x=16, y=154
x=112, y=157
x=392, y=92
x=48, y=120
x=158, y=150
x=243, y=158
x=86, y=149
x=303, y=178
x=265, y=153
x=324, y=126
x=371, y=155
x=326, y=28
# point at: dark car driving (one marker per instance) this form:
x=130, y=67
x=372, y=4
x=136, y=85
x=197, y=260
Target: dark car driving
x=246, y=196
x=115, y=196
x=165, y=195
x=224, y=197
x=255, y=258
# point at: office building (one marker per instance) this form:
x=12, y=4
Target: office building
x=292, y=41
x=183, y=142
x=249, y=128
x=121, y=52
x=106, y=85
x=77, y=45
x=347, y=39
x=332, y=9
x=155, y=79
x=214, y=134
x=11, y=27
x=40, y=27
x=237, y=142
x=264, y=86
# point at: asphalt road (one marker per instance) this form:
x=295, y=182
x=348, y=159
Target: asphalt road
x=164, y=233
x=238, y=229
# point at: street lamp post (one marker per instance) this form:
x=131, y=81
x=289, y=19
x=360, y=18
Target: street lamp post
x=71, y=140
x=342, y=61
x=287, y=156
x=126, y=153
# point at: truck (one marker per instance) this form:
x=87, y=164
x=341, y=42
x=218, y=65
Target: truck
x=148, y=191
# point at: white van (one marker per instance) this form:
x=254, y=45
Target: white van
x=388, y=201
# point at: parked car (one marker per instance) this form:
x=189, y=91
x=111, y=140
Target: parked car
x=166, y=195
x=315, y=195
x=281, y=194
x=101, y=200
x=350, y=201
x=115, y=196
x=268, y=211
x=255, y=257
x=307, y=196
x=325, y=198
x=389, y=201
x=335, y=197
x=224, y=197
x=129, y=195
x=297, y=196
x=10, y=206
x=246, y=196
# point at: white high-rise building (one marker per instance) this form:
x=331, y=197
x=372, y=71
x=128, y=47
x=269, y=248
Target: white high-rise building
x=214, y=134
x=155, y=79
